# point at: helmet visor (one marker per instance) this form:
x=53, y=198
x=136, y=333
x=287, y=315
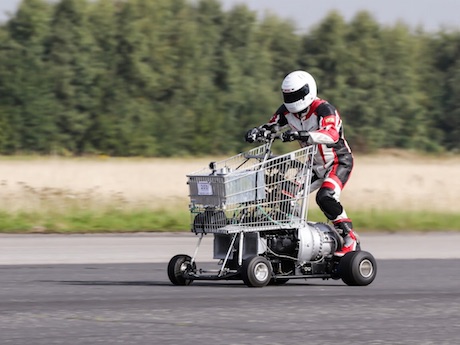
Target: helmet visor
x=291, y=97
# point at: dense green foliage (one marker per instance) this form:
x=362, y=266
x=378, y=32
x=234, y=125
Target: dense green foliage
x=178, y=77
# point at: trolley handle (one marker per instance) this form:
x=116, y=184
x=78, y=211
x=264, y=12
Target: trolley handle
x=268, y=136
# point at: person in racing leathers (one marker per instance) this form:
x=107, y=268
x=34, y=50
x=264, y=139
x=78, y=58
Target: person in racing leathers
x=312, y=120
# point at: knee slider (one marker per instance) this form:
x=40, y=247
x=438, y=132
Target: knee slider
x=324, y=195
x=328, y=204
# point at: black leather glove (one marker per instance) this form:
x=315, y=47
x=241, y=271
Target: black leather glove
x=252, y=135
x=303, y=136
x=289, y=136
x=264, y=134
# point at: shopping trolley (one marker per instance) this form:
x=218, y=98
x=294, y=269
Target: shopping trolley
x=255, y=205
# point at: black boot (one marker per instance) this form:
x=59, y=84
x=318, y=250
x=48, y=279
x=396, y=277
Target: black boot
x=345, y=229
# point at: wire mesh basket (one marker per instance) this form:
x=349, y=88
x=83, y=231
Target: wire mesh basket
x=252, y=191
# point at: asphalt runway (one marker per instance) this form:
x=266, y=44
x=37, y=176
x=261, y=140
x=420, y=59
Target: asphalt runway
x=412, y=301
x=161, y=247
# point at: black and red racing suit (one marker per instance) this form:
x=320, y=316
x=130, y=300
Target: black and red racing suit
x=333, y=162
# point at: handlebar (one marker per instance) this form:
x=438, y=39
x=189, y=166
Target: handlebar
x=266, y=136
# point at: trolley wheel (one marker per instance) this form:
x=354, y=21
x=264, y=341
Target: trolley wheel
x=357, y=268
x=256, y=271
x=177, y=266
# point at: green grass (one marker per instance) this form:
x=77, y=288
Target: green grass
x=398, y=221
x=101, y=221
x=176, y=219
x=394, y=221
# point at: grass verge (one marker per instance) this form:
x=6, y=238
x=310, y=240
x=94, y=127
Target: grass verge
x=117, y=220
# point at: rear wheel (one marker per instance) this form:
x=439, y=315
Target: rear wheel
x=177, y=266
x=256, y=271
x=357, y=268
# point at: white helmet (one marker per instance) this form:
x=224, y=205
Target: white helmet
x=299, y=91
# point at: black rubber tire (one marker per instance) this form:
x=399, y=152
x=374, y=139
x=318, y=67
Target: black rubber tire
x=177, y=266
x=256, y=271
x=357, y=268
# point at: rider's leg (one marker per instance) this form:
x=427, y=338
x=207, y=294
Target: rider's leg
x=328, y=199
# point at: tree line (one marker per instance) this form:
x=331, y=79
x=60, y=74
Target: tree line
x=179, y=77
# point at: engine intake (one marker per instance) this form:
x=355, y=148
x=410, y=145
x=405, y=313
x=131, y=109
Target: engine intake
x=317, y=240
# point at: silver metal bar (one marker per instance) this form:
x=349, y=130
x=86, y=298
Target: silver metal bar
x=221, y=271
x=240, y=249
x=305, y=192
x=306, y=185
x=196, y=248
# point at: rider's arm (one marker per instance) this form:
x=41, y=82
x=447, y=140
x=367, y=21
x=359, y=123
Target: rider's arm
x=278, y=119
x=277, y=122
x=329, y=124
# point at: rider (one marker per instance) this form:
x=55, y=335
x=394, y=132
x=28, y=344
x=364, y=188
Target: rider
x=312, y=120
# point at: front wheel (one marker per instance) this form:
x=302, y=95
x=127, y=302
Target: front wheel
x=177, y=266
x=357, y=268
x=256, y=271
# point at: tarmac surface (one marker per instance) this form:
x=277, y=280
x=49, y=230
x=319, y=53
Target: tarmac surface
x=114, y=289
x=160, y=247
